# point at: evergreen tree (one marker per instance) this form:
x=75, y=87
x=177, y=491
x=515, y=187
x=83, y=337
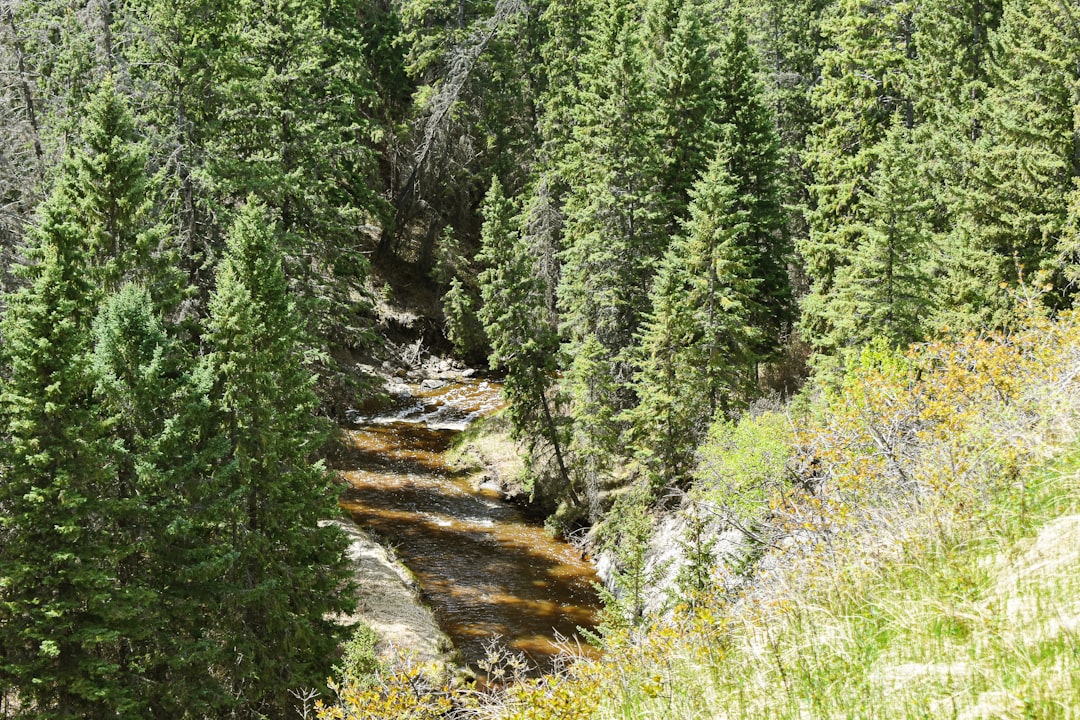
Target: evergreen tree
x=115, y=201
x=60, y=58
x=94, y=232
x=181, y=62
x=950, y=81
x=283, y=574
x=612, y=236
x=1015, y=211
x=295, y=135
x=788, y=37
x=1069, y=245
x=789, y=41
x=477, y=67
x=463, y=327
x=887, y=288
x=63, y=619
x=687, y=98
x=698, y=347
x=523, y=340
x=864, y=84
x=563, y=50
x=627, y=540
x=754, y=163
x=667, y=419
x=163, y=455
x=431, y=29
x=955, y=57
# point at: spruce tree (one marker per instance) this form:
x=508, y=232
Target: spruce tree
x=1069, y=245
x=1025, y=163
x=523, y=340
x=752, y=148
x=697, y=352
x=864, y=83
x=114, y=197
x=296, y=135
x=94, y=231
x=687, y=97
x=613, y=238
x=164, y=454
x=283, y=575
x=181, y=62
x=887, y=289
x=950, y=82
x=788, y=37
x=62, y=619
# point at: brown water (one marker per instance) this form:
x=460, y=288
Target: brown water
x=485, y=569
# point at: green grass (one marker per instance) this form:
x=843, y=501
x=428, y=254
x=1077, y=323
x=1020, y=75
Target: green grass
x=918, y=553
x=980, y=619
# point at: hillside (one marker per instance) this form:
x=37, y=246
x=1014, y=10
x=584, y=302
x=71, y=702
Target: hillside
x=916, y=553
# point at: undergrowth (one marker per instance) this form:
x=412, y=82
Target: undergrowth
x=921, y=555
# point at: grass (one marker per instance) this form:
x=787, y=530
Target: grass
x=968, y=624
x=929, y=567
x=486, y=452
x=934, y=571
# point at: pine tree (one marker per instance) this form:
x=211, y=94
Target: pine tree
x=62, y=616
x=698, y=347
x=887, y=289
x=284, y=574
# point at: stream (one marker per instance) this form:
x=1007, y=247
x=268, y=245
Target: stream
x=486, y=570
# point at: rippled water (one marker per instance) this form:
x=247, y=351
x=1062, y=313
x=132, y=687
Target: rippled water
x=485, y=569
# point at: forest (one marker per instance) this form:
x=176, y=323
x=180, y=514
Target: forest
x=658, y=221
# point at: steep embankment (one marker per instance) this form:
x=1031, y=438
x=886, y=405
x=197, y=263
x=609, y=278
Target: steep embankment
x=389, y=603
x=917, y=554
x=910, y=548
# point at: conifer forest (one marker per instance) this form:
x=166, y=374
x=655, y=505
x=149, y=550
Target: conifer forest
x=768, y=267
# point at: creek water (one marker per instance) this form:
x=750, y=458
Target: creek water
x=486, y=570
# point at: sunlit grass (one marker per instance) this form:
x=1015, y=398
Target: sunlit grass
x=963, y=624
x=929, y=568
